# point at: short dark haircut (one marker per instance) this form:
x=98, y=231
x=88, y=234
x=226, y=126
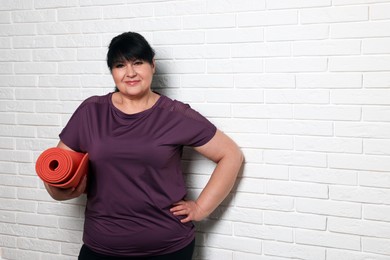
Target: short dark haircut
x=129, y=46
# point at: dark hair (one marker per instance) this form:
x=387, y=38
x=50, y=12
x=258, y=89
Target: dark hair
x=129, y=46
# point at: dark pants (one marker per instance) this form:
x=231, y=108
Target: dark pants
x=182, y=254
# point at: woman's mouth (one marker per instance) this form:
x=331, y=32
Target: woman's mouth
x=132, y=82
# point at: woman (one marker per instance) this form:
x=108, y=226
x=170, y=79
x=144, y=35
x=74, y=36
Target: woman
x=136, y=206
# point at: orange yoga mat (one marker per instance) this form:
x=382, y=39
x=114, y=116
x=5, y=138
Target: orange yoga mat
x=61, y=168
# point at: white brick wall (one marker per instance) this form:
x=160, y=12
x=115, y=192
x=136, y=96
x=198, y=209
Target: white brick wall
x=303, y=86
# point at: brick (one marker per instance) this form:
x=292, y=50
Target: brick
x=374, y=179
x=274, y=80
x=376, y=46
x=296, y=96
x=55, y=28
x=123, y=11
x=18, y=205
x=359, y=162
x=301, y=64
x=266, y=202
x=34, y=16
x=216, y=227
x=354, y=64
x=294, y=220
x=5, y=18
x=267, y=18
x=5, y=43
x=235, y=35
x=180, y=8
x=376, y=146
x=102, y=2
x=251, y=185
x=361, y=195
x=296, y=127
x=27, y=68
x=16, y=4
x=76, y=14
x=357, y=129
x=296, y=189
x=181, y=66
x=327, y=48
x=209, y=21
x=297, y=32
x=353, y=2
x=327, y=239
x=329, y=208
x=275, y=172
x=292, y=250
x=241, y=215
x=54, y=55
x=266, y=49
x=336, y=254
x=376, y=245
x=55, y=4
x=264, y=141
x=41, y=119
x=329, y=80
x=329, y=112
x=33, y=42
x=284, y=4
x=235, y=66
x=324, y=175
x=360, y=30
x=206, y=81
x=200, y=51
x=376, y=212
x=334, y=14
x=15, y=55
x=376, y=80
x=327, y=144
x=61, y=235
x=235, y=243
x=78, y=41
x=267, y=232
x=20, y=131
x=380, y=11
x=83, y=67
x=262, y=111
x=38, y=245
x=36, y=94
x=295, y=158
x=6, y=68
x=235, y=95
x=359, y=227
x=185, y=37
x=221, y=6
x=364, y=97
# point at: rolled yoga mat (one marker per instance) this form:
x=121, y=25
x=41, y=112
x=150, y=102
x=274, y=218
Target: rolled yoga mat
x=62, y=168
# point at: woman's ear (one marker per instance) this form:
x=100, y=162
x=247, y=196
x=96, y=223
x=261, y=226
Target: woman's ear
x=154, y=65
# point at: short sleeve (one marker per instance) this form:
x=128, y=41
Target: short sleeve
x=196, y=130
x=73, y=134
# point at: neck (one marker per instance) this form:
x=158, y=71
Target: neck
x=132, y=105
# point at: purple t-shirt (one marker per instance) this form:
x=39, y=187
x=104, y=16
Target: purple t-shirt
x=135, y=173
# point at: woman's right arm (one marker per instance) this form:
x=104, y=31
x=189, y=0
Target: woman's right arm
x=66, y=194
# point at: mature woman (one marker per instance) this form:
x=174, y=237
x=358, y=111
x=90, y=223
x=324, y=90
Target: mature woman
x=136, y=206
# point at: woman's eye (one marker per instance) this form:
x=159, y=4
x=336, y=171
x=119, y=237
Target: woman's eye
x=138, y=62
x=119, y=65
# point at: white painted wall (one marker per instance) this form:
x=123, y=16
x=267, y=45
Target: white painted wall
x=302, y=86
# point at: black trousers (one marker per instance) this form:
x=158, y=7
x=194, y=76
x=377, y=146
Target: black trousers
x=182, y=254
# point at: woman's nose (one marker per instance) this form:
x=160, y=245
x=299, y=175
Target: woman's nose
x=130, y=72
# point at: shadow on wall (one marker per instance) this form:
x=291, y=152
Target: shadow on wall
x=197, y=171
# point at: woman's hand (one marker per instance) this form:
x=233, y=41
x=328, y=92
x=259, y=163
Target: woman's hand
x=67, y=194
x=188, y=208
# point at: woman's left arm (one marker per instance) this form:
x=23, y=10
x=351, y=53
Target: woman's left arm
x=228, y=157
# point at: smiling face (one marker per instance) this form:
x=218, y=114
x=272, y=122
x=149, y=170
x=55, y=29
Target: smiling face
x=133, y=78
